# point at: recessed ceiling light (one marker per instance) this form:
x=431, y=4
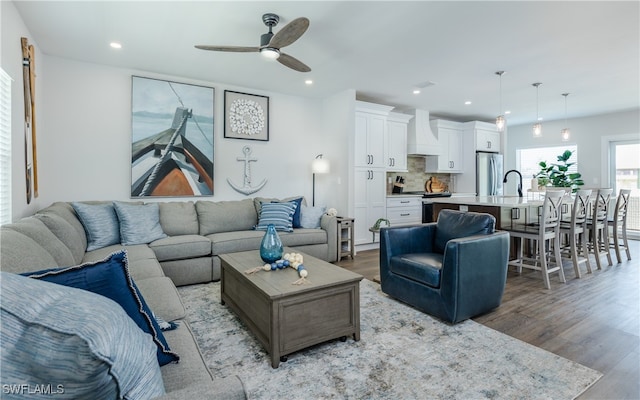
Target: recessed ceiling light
x=416, y=91
x=507, y=112
x=115, y=45
x=467, y=102
x=308, y=82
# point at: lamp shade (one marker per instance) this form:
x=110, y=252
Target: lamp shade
x=320, y=165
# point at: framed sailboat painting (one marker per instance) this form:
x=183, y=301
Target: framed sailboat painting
x=172, y=139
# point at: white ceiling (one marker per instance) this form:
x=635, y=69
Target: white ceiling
x=382, y=49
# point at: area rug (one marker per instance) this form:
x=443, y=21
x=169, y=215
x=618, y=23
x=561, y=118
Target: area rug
x=402, y=354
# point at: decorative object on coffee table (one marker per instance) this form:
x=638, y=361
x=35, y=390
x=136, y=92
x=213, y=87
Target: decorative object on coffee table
x=271, y=249
x=246, y=116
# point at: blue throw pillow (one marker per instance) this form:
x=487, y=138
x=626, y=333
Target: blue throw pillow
x=311, y=216
x=278, y=214
x=139, y=223
x=296, y=215
x=110, y=277
x=78, y=344
x=100, y=223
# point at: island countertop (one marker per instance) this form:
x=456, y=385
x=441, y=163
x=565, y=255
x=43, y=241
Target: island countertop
x=495, y=201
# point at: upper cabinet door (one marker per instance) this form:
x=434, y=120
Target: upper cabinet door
x=369, y=140
x=487, y=140
x=396, y=159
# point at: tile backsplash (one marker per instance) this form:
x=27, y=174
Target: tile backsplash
x=415, y=178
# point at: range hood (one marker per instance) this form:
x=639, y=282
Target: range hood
x=420, y=139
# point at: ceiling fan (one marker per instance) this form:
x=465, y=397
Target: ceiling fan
x=270, y=43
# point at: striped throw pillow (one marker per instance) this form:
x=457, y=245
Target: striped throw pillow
x=278, y=214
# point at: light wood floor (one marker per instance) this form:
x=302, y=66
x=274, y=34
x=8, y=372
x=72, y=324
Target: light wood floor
x=594, y=321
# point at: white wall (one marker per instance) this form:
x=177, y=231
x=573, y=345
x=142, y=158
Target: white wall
x=84, y=134
x=586, y=133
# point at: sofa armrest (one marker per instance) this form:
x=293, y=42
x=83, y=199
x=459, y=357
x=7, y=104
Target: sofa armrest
x=226, y=388
x=405, y=240
x=329, y=223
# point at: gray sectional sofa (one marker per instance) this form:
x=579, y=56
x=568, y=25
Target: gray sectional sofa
x=196, y=233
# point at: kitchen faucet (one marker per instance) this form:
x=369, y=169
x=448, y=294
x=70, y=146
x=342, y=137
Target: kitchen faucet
x=519, y=184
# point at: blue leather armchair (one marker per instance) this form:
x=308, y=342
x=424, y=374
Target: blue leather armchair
x=453, y=269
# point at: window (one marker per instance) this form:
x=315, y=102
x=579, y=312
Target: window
x=528, y=159
x=5, y=148
x=625, y=168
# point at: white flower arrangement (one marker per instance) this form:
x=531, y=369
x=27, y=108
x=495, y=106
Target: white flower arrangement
x=289, y=260
x=246, y=117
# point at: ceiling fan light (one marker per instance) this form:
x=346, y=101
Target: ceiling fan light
x=270, y=53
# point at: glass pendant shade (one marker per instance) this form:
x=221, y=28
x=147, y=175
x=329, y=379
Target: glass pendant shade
x=565, y=134
x=537, y=129
x=500, y=123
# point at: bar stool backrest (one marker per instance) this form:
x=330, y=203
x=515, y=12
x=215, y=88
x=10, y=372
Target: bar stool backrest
x=551, y=210
x=601, y=206
x=620, y=212
x=581, y=207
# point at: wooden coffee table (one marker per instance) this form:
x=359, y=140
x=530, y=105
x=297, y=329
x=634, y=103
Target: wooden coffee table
x=284, y=317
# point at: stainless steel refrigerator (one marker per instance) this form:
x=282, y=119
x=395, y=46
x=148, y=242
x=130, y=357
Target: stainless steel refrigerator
x=489, y=174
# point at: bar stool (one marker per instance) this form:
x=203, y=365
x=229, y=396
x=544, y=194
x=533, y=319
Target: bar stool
x=547, y=236
x=575, y=230
x=599, y=227
x=619, y=222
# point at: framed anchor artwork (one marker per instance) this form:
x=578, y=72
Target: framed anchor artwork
x=246, y=116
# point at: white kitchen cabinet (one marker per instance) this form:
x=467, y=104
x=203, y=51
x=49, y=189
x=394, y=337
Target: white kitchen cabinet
x=396, y=142
x=451, y=140
x=404, y=210
x=369, y=140
x=369, y=202
x=487, y=140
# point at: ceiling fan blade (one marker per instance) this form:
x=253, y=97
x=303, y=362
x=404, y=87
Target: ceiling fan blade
x=289, y=33
x=235, y=49
x=293, y=63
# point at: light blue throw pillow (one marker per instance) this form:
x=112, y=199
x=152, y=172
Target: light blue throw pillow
x=139, y=223
x=278, y=214
x=80, y=343
x=310, y=216
x=100, y=223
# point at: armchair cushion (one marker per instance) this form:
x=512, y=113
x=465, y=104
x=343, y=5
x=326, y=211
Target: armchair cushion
x=454, y=224
x=421, y=267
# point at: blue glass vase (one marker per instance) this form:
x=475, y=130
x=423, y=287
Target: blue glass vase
x=271, y=247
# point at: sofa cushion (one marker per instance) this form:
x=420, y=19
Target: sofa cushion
x=230, y=242
x=454, y=224
x=181, y=247
x=420, y=267
x=299, y=200
x=139, y=223
x=162, y=297
x=79, y=342
x=226, y=216
x=280, y=215
x=100, y=223
x=66, y=212
x=66, y=233
x=179, y=218
x=110, y=277
x=19, y=253
x=38, y=231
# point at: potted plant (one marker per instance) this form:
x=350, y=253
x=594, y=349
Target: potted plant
x=558, y=174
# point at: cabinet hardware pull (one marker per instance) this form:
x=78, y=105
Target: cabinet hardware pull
x=405, y=214
x=406, y=201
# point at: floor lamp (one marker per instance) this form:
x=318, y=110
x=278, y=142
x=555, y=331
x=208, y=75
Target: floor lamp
x=319, y=166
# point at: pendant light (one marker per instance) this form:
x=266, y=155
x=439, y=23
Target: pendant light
x=500, y=121
x=565, y=133
x=537, y=127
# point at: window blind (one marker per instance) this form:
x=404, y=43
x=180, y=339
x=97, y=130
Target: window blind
x=5, y=147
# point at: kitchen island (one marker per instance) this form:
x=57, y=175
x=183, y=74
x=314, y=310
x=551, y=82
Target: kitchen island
x=506, y=209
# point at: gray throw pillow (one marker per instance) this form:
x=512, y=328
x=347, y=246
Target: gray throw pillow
x=310, y=217
x=139, y=223
x=100, y=223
